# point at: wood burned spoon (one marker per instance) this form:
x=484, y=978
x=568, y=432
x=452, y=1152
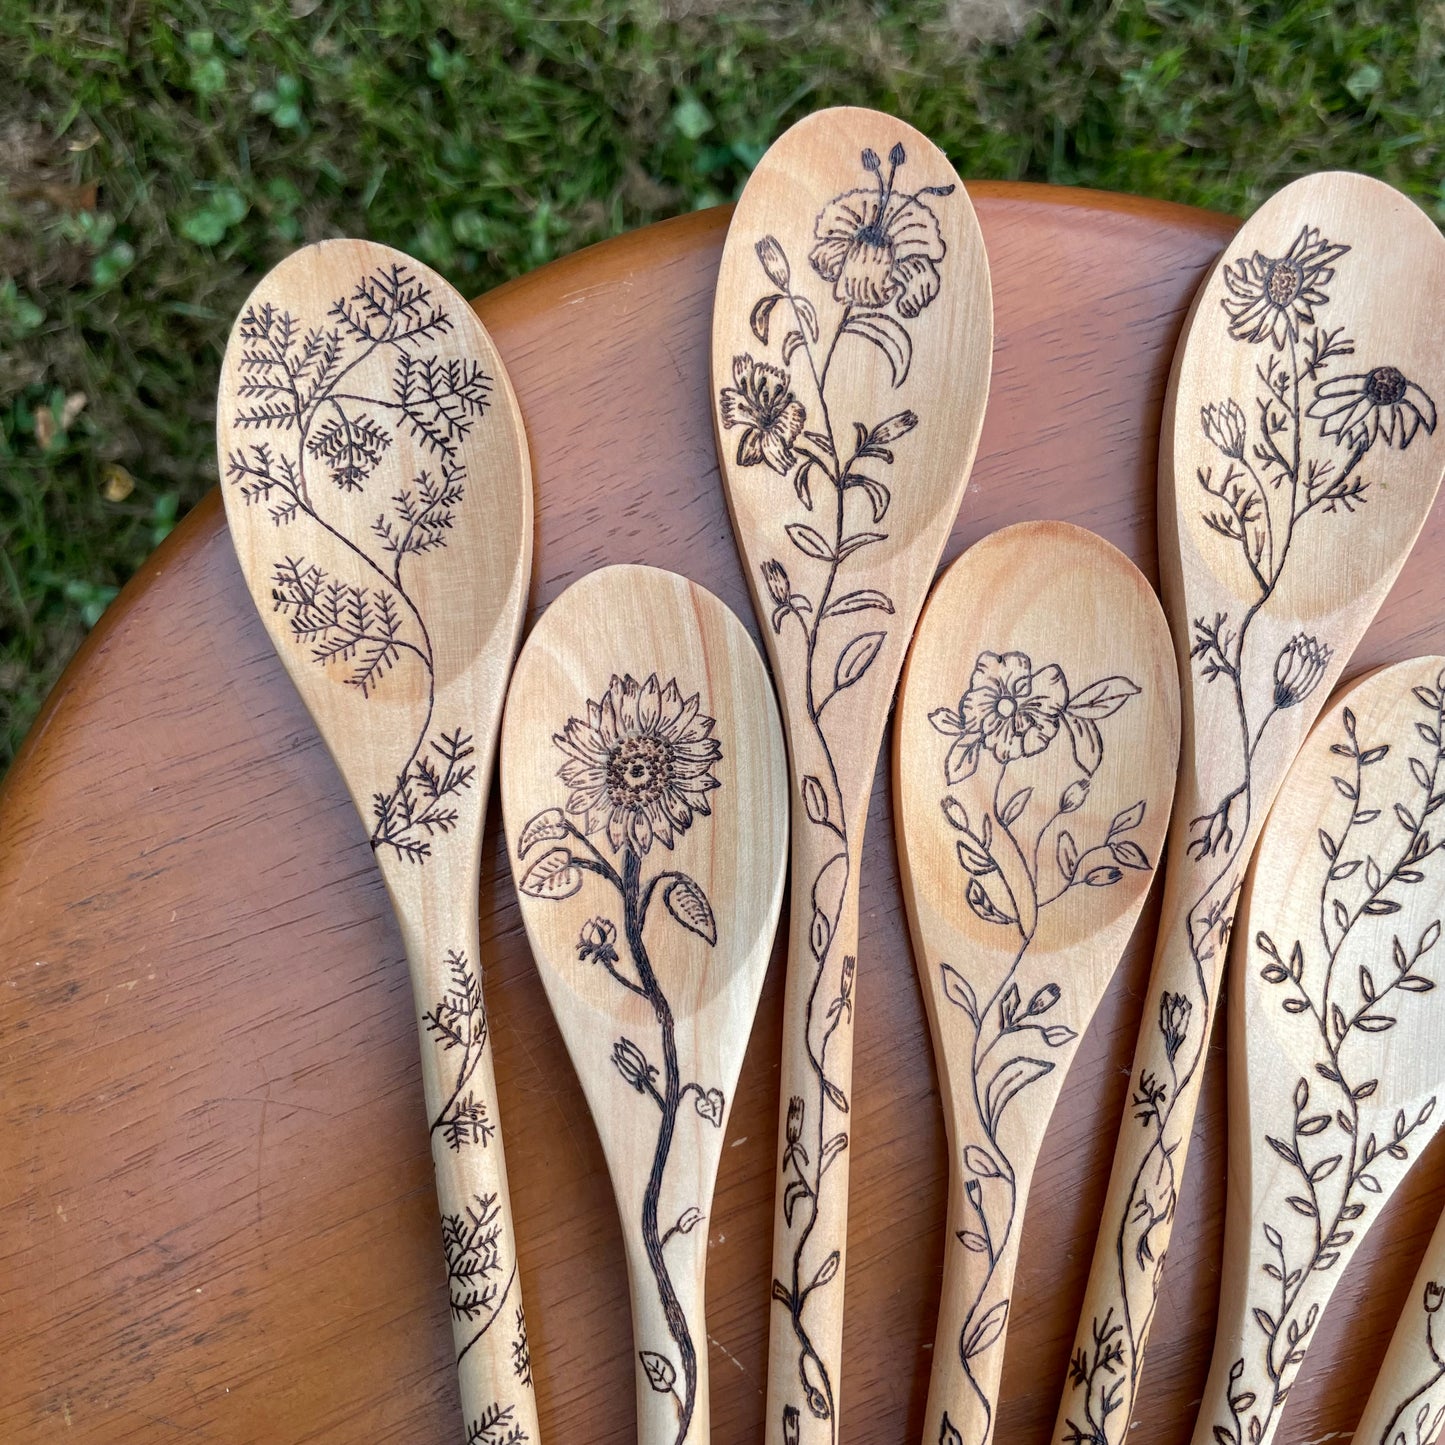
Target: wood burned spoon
x=644, y=786
x=1336, y=1029
x=379, y=495
x=852, y=337
x=1300, y=455
x=1034, y=750
x=1407, y=1404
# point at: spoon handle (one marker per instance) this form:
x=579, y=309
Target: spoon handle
x=810, y=1219
x=978, y=1273
x=489, y=1330
x=1407, y=1404
x=1153, y=1142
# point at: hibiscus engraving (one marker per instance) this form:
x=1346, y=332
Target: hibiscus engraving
x=1017, y=851
x=640, y=766
x=879, y=252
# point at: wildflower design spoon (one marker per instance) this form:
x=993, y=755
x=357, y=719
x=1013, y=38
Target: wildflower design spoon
x=1336, y=1030
x=1033, y=761
x=852, y=337
x=379, y=496
x=1407, y=1403
x=1300, y=455
x=644, y=786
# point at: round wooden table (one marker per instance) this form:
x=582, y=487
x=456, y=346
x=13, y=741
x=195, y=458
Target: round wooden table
x=217, y=1219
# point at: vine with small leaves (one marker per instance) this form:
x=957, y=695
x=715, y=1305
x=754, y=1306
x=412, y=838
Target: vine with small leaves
x=640, y=766
x=1336, y=1158
x=1012, y=713
x=879, y=250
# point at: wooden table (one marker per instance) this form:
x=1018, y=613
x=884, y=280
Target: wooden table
x=216, y=1209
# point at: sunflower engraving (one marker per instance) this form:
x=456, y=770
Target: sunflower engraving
x=640, y=765
x=761, y=402
x=1273, y=296
x=1358, y=410
x=880, y=246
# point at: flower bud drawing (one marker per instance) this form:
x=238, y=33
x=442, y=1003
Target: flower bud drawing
x=1298, y=668
x=1224, y=426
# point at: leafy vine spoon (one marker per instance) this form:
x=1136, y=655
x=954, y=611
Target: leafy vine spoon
x=1407, y=1402
x=852, y=337
x=644, y=787
x=1300, y=455
x=1336, y=1049
x=379, y=496
x=1034, y=752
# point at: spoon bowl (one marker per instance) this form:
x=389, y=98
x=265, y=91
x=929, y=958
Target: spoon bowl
x=644, y=790
x=1035, y=745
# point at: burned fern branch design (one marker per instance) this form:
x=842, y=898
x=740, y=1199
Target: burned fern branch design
x=321, y=418
x=1018, y=854
x=876, y=265
x=640, y=766
x=458, y=1023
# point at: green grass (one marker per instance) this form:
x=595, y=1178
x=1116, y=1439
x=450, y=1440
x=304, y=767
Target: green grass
x=487, y=139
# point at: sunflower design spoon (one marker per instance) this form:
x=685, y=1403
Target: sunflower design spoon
x=645, y=798
x=1033, y=761
x=852, y=337
x=1301, y=452
x=379, y=495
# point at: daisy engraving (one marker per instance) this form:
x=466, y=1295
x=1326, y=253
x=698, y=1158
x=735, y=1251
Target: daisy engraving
x=1275, y=296
x=1359, y=410
x=640, y=765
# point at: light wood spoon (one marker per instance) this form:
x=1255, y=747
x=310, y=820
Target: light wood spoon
x=644, y=787
x=1336, y=1029
x=1407, y=1404
x=1033, y=761
x=852, y=337
x=1300, y=454
x=379, y=495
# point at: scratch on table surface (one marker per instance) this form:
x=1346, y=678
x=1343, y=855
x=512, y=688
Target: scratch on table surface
x=742, y=1368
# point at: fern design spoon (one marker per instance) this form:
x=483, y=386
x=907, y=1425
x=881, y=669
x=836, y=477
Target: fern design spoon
x=379, y=496
x=1299, y=458
x=1407, y=1403
x=1336, y=1029
x=644, y=787
x=1033, y=764
x=852, y=337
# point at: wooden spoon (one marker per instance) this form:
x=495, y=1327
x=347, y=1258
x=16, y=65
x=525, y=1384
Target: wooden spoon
x=1407, y=1404
x=644, y=787
x=852, y=336
x=1033, y=762
x=1299, y=458
x=379, y=495
x=1336, y=1029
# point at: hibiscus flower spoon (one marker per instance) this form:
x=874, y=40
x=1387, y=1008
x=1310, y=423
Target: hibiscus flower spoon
x=1034, y=750
x=379, y=496
x=1300, y=455
x=1336, y=1030
x=644, y=787
x=852, y=337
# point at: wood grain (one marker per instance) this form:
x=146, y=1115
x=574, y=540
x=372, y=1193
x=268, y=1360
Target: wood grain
x=1035, y=744
x=219, y=1217
x=645, y=793
x=1300, y=456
